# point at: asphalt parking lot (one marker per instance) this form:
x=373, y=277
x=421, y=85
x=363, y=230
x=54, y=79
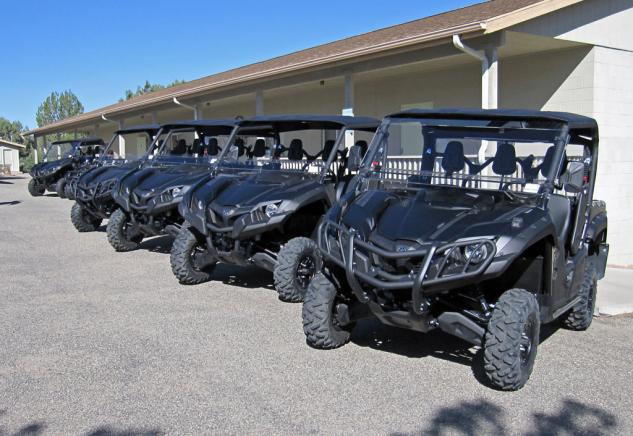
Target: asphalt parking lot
x=103, y=343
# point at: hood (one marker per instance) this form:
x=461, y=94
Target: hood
x=149, y=181
x=45, y=167
x=262, y=188
x=104, y=173
x=433, y=215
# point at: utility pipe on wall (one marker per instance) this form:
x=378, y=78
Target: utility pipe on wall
x=193, y=108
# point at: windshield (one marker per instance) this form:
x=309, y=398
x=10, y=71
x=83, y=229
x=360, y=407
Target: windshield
x=306, y=151
x=472, y=154
x=195, y=144
x=127, y=146
x=58, y=151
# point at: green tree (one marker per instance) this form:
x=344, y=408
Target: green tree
x=58, y=106
x=11, y=130
x=147, y=88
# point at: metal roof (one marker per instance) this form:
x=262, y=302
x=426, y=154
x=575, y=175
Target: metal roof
x=574, y=121
x=306, y=122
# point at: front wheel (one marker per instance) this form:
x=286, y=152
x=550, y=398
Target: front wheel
x=512, y=340
x=297, y=263
x=59, y=188
x=35, y=189
x=190, y=260
x=320, y=322
x=82, y=220
x=120, y=233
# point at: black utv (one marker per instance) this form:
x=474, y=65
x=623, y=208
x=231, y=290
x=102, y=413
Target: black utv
x=264, y=210
x=147, y=198
x=488, y=250
x=92, y=190
x=60, y=158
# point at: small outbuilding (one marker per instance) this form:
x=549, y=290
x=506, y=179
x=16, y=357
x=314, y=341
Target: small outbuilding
x=10, y=156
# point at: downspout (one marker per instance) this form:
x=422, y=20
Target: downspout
x=193, y=108
x=107, y=120
x=485, y=83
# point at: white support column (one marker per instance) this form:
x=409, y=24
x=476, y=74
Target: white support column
x=121, y=140
x=259, y=102
x=348, y=106
x=492, y=78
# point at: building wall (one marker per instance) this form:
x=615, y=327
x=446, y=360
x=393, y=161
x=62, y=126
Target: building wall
x=604, y=23
x=10, y=156
x=613, y=108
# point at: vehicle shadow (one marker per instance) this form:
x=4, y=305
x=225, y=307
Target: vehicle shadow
x=10, y=203
x=482, y=416
x=249, y=277
x=373, y=334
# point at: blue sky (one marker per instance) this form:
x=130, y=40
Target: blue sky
x=100, y=49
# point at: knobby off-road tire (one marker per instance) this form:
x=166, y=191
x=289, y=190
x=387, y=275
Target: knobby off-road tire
x=581, y=315
x=297, y=263
x=512, y=339
x=82, y=220
x=35, y=189
x=59, y=188
x=117, y=232
x=69, y=192
x=319, y=321
x=183, y=259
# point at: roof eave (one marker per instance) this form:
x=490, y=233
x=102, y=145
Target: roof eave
x=432, y=37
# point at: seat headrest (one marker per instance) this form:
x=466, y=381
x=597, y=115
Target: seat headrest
x=505, y=160
x=260, y=148
x=363, y=147
x=548, y=160
x=453, y=159
x=327, y=149
x=295, y=150
x=239, y=143
x=181, y=147
x=212, y=146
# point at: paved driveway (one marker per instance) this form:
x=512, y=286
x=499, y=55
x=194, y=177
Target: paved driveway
x=103, y=343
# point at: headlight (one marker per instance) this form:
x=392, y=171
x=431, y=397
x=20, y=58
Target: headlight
x=178, y=191
x=477, y=253
x=271, y=209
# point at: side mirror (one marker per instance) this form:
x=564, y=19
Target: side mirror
x=574, y=178
x=354, y=158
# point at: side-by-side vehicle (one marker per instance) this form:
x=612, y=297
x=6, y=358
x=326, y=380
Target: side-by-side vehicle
x=262, y=209
x=60, y=158
x=93, y=189
x=429, y=236
x=147, y=197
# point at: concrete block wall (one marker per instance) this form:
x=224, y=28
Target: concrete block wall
x=613, y=108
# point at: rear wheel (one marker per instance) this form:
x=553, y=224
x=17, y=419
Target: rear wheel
x=581, y=315
x=297, y=263
x=512, y=340
x=120, y=233
x=82, y=220
x=35, y=189
x=190, y=260
x=59, y=188
x=320, y=322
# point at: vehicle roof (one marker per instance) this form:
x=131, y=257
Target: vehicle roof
x=227, y=122
x=88, y=140
x=303, y=122
x=574, y=121
x=139, y=128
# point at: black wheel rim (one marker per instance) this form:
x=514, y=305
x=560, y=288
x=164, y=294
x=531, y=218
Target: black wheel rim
x=526, y=342
x=198, y=256
x=305, y=271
